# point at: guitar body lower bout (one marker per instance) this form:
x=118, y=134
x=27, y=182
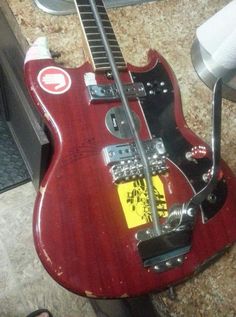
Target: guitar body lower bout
x=82, y=232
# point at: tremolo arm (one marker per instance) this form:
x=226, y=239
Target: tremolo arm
x=182, y=216
x=168, y=250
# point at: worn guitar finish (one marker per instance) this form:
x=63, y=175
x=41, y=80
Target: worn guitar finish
x=81, y=231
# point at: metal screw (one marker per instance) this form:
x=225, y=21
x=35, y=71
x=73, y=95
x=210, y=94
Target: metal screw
x=212, y=198
x=205, y=177
x=109, y=75
x=156, y=267
x=148, y=231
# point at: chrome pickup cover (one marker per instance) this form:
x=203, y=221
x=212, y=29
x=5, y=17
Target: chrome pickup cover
x=109, y=92
x=125, y=162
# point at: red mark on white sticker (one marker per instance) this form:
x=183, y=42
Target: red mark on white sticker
x=54, y=80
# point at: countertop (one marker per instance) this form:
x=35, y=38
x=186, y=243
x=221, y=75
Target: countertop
x=168, y=26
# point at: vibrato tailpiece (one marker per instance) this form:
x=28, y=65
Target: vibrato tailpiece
x=169, y=249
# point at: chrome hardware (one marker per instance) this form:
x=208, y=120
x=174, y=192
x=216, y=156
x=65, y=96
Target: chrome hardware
x=181, y=217
x=164, y=265
x=216, y=139
x=165, y=251
x=145, y=234
x=119, y=152
x=109, y=74
x=133, y=169
x=212, y=198
x=109, y=92
x=207, y=176
x=125, y=161
x=168, y=250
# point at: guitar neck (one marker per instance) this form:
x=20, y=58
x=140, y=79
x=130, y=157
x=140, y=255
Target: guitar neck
x=96, y=49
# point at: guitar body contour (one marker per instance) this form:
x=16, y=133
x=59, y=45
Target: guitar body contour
x=81, y=231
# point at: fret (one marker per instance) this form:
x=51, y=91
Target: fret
x=87, y=11
x=98, y=52
x=101, y=46
x=105, y=58
x=101, y=54
x=94, y=40
x=92, y=20
x=116, y=58
x=100, y=49
x=94, y=36
x=107, y=65
x=89, y=15
x=99, y=41
x=95, y=27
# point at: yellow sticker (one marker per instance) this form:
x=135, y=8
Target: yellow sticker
x=134, y=200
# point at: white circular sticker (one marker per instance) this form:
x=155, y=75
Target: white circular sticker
x=54, y=80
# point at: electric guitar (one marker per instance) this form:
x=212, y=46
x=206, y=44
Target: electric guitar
x=132, y=201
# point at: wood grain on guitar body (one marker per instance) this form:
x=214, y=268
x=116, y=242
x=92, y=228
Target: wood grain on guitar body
x=92, y=222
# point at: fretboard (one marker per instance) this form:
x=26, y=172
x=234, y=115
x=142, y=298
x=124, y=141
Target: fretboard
x=93, y=38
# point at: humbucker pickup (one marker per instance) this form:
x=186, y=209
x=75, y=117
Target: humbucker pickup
x=109, y=92
x=125, y=163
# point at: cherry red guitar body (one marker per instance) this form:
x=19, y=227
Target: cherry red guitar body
x=79, y=225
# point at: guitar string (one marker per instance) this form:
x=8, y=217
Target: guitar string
x=129, y=117
x=84, y=9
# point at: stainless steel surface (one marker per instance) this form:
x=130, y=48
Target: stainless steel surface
x=64, y=7
x=58, y=7
x=209, y=72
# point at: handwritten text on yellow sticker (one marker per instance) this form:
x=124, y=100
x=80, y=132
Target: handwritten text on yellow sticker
x=134, y=200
